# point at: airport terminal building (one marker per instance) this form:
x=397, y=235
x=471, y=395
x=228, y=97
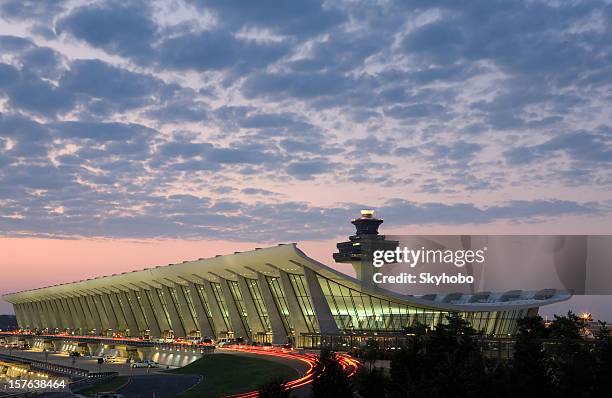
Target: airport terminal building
x=276, y=294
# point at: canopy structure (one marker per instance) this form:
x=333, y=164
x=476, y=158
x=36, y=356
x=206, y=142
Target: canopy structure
x=273, y=294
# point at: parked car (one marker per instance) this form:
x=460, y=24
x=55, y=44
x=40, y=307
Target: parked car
x=145, y=364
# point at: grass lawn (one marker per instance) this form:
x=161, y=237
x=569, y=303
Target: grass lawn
x=226, y=374
x=105, y=386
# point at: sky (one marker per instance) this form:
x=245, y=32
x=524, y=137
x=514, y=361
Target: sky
x=138, y=133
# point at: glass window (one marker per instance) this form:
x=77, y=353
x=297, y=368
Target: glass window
x=237, y=296
x=216, y=288
x=135, y=312
x=281, y=303
x=175, y=302
x=192, y=311
x=355, y=310
x=298, y=283
x=149, y=302
x=162, y=299
x=142, y=310
x=204, y=300
x=118, y=297
x=260, y=306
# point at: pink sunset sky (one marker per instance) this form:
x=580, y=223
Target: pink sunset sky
x=140, y=133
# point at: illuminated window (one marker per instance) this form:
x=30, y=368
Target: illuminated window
x=354, y=310
x=204, y=300
x=260, y=306
x=142, y=311
x=281, y=303
x=237, y=296
x=187, y=294
x=298, y=283
x=216, y=288
x=175, y=302
x=162, y=300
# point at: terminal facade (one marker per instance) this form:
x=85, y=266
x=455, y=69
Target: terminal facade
x=276, y=294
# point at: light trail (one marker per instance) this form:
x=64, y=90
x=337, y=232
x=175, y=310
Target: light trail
x=349, y=364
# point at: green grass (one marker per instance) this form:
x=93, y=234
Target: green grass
x=105, y=386
x=226, y=374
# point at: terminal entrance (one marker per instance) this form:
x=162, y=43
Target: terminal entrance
x=262, y=337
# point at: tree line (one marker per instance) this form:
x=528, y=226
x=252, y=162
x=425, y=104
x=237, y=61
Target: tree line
x=448, y=362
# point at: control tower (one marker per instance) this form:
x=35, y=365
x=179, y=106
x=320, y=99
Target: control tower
x=358, y=250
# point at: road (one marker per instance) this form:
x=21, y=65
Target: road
x=88, y=363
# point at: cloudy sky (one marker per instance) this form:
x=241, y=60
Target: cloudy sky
x=246, y=122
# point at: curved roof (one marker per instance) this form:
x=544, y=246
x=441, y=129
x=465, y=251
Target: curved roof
x=269, y=261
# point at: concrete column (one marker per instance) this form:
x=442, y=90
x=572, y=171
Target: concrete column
x=295, y=312
x=31, y=315
x=188, y=320
x=327, y=324
x=279, y=334
x=19, y=316
x=95, y=298
x=129, y=315
x=66, y=314
x=27, y=314
x=44, y=315
x=50, y=312
x=159, y=311
x=252, y=315
x=215, y=310
x=63, y=305
x=121, y=321
x=110, y=311
x=23, y=320
x=77, y=316
x=234, y=314
x=96, y=317
x=152, y=316
x=60, y=316
x=63, y=322
x=205, y=327
x=36, y=316
x=89, y=319
x=179, y=330
x=138, y=311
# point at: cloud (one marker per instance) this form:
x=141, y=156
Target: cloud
x=584, y=147
x=124, y=28
x=212, y=50
x=30, y=9
x=304, y=18
x=307, y=169
x=118, y=88
x=99, y=131
x=209, y=118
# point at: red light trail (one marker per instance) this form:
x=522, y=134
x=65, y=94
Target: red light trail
x=348, y=363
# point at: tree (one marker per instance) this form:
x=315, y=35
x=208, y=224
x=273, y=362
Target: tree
x=530, y=363
x=603, y=333
x=573, y=361
x=273, y=389
x=603, y=362
x=330, y=378
x=371, y=352
x=371, y=383
x=567, y=327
